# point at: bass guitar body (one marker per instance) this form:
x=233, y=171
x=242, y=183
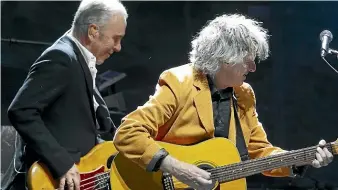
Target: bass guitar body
x=93, y=169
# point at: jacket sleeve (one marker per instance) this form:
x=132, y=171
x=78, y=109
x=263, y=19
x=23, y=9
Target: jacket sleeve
x=259, y=146
x=135, y=136
x=45, y=83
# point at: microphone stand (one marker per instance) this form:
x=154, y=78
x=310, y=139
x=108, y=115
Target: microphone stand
x=332, y=51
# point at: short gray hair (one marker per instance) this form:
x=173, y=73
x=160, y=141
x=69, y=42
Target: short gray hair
x=96, y=12
x=228, y=39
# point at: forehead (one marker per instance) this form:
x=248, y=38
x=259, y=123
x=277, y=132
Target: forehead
x=116, y=25
x=249, y=58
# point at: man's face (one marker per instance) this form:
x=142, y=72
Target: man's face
x=231, y=75
x=107, y=40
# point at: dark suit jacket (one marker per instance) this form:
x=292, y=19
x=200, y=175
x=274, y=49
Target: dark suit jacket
x=53, y=111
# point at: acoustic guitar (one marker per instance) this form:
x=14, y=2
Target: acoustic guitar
x=93, y=168
x=218, y=156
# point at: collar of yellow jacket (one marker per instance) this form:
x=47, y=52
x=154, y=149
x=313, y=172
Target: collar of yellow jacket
x=241, y=92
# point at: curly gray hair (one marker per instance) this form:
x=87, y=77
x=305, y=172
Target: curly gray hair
x=228, y=39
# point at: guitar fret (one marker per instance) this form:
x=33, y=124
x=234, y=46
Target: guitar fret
x=251, y=167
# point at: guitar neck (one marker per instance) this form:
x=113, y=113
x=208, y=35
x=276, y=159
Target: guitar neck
x=250, y=167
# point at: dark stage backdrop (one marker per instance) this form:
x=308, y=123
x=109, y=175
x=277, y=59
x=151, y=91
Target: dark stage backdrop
x=296, y=91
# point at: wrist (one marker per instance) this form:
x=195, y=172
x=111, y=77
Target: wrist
x=166, y=164
x=161, y=156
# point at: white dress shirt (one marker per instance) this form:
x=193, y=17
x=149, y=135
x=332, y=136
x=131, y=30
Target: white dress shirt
x=91, y=62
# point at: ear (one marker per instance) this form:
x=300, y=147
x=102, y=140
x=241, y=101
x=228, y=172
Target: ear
x=93, y=31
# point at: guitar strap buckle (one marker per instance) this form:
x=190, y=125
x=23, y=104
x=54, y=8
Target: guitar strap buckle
x=245, y=157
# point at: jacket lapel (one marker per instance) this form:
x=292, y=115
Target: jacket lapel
x=88, y=79
x=86, y=73
x=203, y=105
x=202, y=102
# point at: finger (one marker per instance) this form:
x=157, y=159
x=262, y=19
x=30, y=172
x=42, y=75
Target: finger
x=322, y=142
x=204, y=174
x=316, y=164
x=196, y=184
x=77, y=181
x=62, y=183
x=192, y=183
x=70, y=183
x=322, y=155
x=329, y=155
x=203, y=182
x=320, y=159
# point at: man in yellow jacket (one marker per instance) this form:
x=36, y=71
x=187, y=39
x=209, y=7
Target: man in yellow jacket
x=183, y=110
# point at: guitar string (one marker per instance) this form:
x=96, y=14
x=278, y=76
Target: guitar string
x=231, y=175
x=101, y=187
x=276, y=156
x=100, y=181
x=264, y=160
x=303, y=155
x=90, y=187
x=96, y=179
x=219, y=172
x=104, y=173
x=94, y=187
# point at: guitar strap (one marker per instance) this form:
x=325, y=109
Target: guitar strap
x=240, y=142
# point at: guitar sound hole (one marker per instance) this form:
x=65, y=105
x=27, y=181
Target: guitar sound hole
x=205, y=166
x=110, y=160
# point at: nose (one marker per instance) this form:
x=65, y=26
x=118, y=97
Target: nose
x=117, y=47
x=252, y=67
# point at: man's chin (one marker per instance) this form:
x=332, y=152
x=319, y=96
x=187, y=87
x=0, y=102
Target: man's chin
x=239, y=84
x=99, y=62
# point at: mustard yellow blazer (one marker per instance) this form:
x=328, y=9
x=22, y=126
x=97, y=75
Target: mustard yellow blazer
x=180, y=112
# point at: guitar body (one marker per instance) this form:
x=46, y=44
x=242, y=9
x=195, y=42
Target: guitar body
x=91, y=165
x=208, y=154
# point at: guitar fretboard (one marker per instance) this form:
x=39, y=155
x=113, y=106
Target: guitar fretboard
x=250, y=167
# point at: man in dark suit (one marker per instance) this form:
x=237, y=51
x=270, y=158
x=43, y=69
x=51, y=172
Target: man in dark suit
x=58, y=111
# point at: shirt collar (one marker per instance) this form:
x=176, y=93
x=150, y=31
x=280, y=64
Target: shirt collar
x=89, y=57
x=224, y=93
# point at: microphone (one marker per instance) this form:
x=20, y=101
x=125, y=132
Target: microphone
x=326, y=37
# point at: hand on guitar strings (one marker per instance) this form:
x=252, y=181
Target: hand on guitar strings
x=71, y=179
x=323, y=156
x=189, y=174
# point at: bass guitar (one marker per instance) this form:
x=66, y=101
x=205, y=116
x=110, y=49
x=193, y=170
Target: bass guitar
x=93, y=168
